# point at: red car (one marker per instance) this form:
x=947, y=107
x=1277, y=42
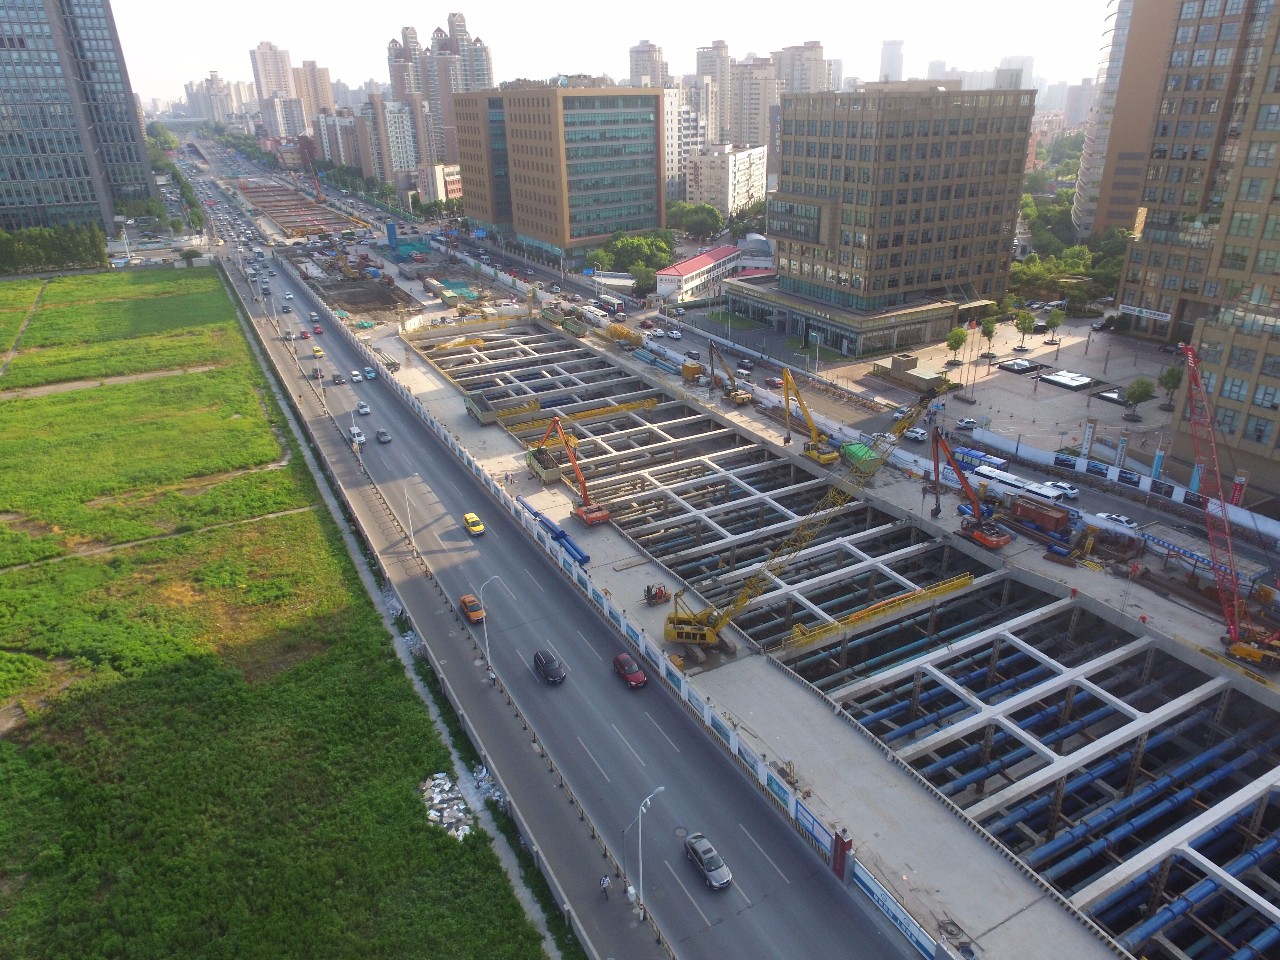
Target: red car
x=646, y=323
x=317, y=329
x=304, y=335
x=774, y=382
x=625, y=667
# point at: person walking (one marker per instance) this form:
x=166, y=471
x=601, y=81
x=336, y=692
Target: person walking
x=605, y=884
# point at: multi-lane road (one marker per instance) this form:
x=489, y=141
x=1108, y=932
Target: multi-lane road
x=614, y=746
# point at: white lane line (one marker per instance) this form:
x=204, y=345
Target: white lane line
x=663, y=732
x=763, y=854
x=589, y=645
x=737, y=885
x=439, y=544
x=534, y=579
x=686, y=892
x=593, y=760
x=629, y=747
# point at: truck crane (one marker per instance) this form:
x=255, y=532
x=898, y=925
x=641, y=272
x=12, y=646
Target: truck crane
x=817, y=447
x=588, y=511
x=983, y=532
x=706, y=628
x=731, y=391
x=1243, y=640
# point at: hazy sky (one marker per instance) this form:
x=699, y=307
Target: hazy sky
x=537, y=40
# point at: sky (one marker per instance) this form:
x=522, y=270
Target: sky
x=536, y=40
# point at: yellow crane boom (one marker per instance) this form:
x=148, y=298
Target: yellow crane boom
x=816, y=448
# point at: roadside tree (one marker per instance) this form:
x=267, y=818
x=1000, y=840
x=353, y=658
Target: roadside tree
x=1054, y=320
x=1170, y=380
x=1140, y=391
x=989, y=326
x=1025, y=323
x=956, y=340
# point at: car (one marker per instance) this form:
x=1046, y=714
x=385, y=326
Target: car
x=317, y=329
x=362, y=408
x=624, y=665
x=1119, y=519
x=646, y=324
x=383, y=436
x=473, y=523
x=304, y=335
x=679, y=311
x=315, y=317
x=659, y=332
x=1098, y=325
x=1067, y=489
x=355, y=376
x=576, y=298
x=675, y=334
x=339, y=378
x=745, y=364
x=549, y=667
x=1170, y=348
x=692, y=355
x=775, y=382
x=709, y=863
x=286, y=309
x=555, y=288
x=901, y=413
x=527, y=272
x=288, y=294
x=968, y=423
x=916, y=433
x=471, y=608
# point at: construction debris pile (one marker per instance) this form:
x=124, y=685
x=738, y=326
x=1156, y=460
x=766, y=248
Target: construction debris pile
x=486, y=786
x=445, y=806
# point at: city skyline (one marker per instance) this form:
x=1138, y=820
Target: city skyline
x=528, y=44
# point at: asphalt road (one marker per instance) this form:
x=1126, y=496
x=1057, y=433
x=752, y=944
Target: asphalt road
x=614, y=746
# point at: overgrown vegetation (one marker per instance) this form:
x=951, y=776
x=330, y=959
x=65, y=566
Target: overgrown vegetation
x=52, y=248
x=220, y=755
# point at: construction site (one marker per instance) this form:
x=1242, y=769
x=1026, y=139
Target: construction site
x=294, y=214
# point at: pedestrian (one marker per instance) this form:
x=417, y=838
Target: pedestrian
x=605, y=884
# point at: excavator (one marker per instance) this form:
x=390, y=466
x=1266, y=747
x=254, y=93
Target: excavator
x=702, y=629
x=979, y=529
x=818, y=447
x=731, y=392
x=589, y=512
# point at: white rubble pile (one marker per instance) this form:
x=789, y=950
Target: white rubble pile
x=486, y=786
x=445, y=806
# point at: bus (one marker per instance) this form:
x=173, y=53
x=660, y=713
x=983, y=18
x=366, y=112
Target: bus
x=1007, y=483
x=597, y=318
x=609, y=304
x=977, y=458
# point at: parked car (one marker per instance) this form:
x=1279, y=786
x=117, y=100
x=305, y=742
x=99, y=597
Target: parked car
x=916, y=433
x=968, y=423
x=549, y=667
x=646, y=324
x=1067, y=489
x=624, y=665
x=709, y=863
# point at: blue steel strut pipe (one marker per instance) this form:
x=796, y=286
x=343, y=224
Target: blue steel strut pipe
x=1119, y=808
x=1256, y=949
x=1090, y=774
x=1156, y=811
x=919, y=722
x=937, y=691
x=1184, y=903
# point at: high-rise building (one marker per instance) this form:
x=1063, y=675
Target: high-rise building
x=894, y=215
x=802, y=69
x=561, y=169
x=890, y=61
x=648, y=68
x=1118, y=131
x=337, y=138
x=283, y=117
x=714, y=62
x=314, y=90
x=1080, y=97
x=755, y=94
x=1025, y=64
x=726, y=177
x=1203, y=263
x=455, y=63
x=73, y=143
x=272, y=71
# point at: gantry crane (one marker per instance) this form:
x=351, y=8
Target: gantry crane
x=702, y=628
x=588, y=511
x=731, y=391
x=817, y=447
x=982, y=531
x=1243, y=640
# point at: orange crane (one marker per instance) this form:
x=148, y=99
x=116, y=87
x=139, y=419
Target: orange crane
x=984, y=532
x=588, y=512
x=1243, y=640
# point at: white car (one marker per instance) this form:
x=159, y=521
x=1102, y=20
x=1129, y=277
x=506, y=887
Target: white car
x=658, y=333
x=916, y=433
x=356, y=376
x=362, y=408
x=1119, y=519
x=1067, y=489
x=288, y=295
x=674, y=334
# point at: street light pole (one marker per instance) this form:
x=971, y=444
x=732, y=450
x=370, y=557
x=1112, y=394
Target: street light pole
x=486, y=618
x=409, y=517
x=644, y=805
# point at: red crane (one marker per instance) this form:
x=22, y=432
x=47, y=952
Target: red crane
x=589, y=512
x=1243, y=640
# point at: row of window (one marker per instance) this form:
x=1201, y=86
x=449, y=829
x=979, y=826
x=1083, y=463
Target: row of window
x=918, y=174
x=904, y=129
x=1192, y=9
x=889, y=153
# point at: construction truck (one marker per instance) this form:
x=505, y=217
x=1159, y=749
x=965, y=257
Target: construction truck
x=729, y=385
x=699, y=630
x=538, y=455
x=818, y=447
x=976, y=527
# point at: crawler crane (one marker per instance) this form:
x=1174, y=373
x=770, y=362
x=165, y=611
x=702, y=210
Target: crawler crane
x=588, y=512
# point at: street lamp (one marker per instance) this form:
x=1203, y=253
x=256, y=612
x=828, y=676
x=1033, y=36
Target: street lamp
x=485, y=621
x=644, y=805
x=409, y=517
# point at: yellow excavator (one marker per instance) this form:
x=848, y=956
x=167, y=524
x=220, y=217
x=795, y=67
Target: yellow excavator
x=702, y=629
x=730, y=385
x=818, y=447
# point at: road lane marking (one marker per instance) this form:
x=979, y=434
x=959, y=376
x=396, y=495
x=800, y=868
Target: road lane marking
x=594, y=760
x=763, y=854
x=589, y=646
x=629, y=747
x=534, y=579
x=663, y=732
x=686, y=892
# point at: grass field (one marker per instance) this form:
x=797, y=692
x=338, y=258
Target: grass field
x=215, y=752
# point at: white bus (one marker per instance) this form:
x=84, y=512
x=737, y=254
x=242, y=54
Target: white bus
x=597, y=318
x=609, y=304
x=1008, y=483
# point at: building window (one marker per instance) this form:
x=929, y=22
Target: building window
x=1261, y=155
x=1234, y=257
x=1243, y=225
x=1225, y=421
x=1268, y=397
x=1234, y=388
x=1242, y=358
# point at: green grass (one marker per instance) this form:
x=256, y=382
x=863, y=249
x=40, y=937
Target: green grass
x=74, y=323
x=18, y=294
x=737, y=321
x=221, y=753
x=129, y=285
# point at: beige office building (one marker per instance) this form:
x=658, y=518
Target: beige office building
x=728, y=178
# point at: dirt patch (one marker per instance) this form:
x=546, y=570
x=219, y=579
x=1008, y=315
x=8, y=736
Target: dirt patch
x=17, y=711
x=70, y=385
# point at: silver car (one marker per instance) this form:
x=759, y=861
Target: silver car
x=709, y=863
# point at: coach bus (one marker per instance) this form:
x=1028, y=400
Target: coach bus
x=1007, y=483
x=609, y=304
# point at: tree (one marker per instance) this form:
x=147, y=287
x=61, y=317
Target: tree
x=1140, y=391
x=956, y=340
x=1054, y=320
x=989, y=331
x=646, y=281
x=1025, y=323
x=1170, y=380
x=189, y=254
x=703, y=221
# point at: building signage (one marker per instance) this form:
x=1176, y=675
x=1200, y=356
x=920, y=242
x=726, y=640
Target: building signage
x=810, y=824
x=1238, y=486
x=1086, y=440
x=1144, y=312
